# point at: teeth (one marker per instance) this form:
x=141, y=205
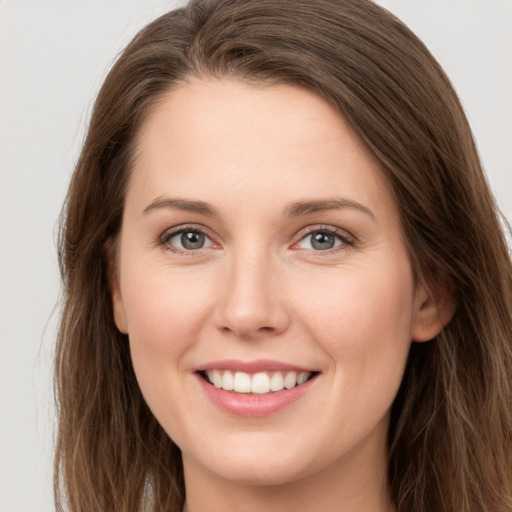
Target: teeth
x=258, y=383
x=303, y=377
x=217, y=379
x=290, y=381
x=277, y=382
x=228, y=381
x=242, y=382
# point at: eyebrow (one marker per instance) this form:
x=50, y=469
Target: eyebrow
x=295, y=209
x=299, y=208
x=186, y=205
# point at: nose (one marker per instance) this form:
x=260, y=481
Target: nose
x=252, y=304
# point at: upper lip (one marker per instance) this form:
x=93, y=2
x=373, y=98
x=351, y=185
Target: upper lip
x=258, y=365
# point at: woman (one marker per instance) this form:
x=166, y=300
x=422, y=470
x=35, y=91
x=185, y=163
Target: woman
x=286, y=286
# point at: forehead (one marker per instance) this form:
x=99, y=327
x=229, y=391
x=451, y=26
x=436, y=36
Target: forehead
x=243, y=140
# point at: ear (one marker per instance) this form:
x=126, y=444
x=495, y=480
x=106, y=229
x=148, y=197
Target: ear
x=435, y=307
x=114, y=287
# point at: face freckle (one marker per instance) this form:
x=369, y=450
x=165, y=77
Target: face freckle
x=258, y=231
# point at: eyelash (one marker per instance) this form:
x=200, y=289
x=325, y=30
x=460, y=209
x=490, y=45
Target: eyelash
x=346, y=239
x=168, y=235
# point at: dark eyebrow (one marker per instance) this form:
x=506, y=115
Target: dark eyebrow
x=186, y=205
x=299, y=208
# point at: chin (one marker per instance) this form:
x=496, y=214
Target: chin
x=261, y=466
x=258, y=473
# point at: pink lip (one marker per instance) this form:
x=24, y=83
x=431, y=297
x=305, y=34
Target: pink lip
x=259, y=365
x=242, y=404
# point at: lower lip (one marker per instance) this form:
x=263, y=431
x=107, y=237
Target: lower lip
x=242, y=404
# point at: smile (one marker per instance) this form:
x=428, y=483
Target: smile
x=258, y=383
x=256, y=388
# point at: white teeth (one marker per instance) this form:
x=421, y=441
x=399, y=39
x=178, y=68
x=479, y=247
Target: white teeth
x=217, y=379
x=227, y=381
x=242, y=382
x=277, y=382
x=258, y=383
x=290, y=381
x=303, y=377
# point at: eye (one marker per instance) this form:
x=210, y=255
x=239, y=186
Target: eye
x=324, y=240
x=186, y=239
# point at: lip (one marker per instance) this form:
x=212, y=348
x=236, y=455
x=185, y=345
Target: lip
x=258, y=365
x=251, y=405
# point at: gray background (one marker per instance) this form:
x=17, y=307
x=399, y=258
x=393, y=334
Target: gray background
x=54, y=55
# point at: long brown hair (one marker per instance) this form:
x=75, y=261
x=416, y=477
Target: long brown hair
x=450, y=438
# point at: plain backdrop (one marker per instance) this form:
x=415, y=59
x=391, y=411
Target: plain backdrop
x=54, y=55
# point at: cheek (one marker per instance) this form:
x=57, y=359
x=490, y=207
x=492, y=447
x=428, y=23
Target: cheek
x=166, y=312
x=363, y=322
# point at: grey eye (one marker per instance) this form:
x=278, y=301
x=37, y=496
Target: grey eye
x=192, y=240
x=187, y=240
x=321, y=241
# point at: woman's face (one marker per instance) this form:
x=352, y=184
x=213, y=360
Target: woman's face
x=260, y=248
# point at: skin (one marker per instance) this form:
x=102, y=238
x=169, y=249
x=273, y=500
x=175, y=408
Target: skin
x=258, y=289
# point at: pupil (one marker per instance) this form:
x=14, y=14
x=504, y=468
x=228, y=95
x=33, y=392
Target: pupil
x=322, y=241
x=192, y=240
